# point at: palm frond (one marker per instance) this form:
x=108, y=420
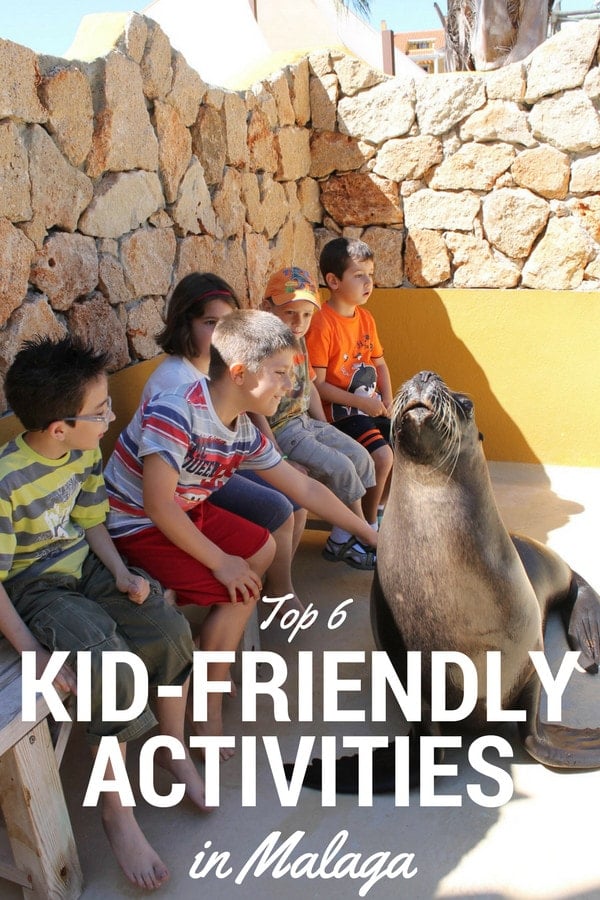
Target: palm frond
x=360, y=7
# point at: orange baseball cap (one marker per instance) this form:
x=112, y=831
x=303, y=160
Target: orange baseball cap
x=287, y=285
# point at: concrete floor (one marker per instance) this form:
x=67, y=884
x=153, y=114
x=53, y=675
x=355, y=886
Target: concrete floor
x=541, y=844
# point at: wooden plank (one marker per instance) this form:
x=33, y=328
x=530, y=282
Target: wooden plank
x=12, y=727
x=11, y=873
x=37, y=820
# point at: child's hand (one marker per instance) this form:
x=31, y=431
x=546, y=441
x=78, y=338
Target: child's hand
x=65, y=680
x=135, y=586
x=372, y=406
x=235, y=573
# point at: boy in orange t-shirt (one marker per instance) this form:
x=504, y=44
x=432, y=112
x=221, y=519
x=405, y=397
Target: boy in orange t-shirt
x=352, y=377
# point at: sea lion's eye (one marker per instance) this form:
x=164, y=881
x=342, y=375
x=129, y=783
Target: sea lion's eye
x=466, y=405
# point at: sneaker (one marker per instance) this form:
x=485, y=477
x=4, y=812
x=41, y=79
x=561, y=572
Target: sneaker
x=352, y=552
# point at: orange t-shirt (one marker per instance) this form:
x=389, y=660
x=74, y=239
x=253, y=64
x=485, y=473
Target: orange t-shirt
x=345, y=347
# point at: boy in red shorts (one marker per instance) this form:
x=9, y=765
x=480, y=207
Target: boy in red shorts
x=180, y=447
x=352, y=377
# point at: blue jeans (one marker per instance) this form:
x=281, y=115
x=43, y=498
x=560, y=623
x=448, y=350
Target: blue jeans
x=247, y=495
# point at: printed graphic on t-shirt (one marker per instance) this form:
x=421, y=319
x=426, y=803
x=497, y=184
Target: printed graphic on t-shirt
x=57, y=515
x=363, y=383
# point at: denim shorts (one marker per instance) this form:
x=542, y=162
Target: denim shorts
x=90, y=613
x=247, y=495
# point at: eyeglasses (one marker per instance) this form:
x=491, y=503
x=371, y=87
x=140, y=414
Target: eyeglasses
x=106, y=418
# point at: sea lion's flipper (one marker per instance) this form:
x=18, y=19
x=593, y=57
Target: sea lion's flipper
x=582, y=621
x=554, y=744
x=557, y=586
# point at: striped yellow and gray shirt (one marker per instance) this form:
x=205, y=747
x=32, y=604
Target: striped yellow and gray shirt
x=46, y=505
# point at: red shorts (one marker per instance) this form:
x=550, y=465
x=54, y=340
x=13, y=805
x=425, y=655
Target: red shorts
x=192, y=581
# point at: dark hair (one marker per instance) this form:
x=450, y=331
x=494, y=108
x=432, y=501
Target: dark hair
x=336, y=255
x=188, y=302
x=248, y=336
x=49, y=378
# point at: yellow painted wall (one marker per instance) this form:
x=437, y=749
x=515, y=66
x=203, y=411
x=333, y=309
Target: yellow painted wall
x=125, y=390
x=530, y=360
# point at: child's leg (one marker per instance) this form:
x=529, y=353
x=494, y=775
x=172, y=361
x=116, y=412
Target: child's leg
x=139, y=861
x=161, y=637
x=341, y=463
x=278, y=582
x=247, y=495
x=373, y=435
x=300, y=516
x=383, y=459
x=171, y=713
x=194, y=583
x=63, y=617
x=222, y=630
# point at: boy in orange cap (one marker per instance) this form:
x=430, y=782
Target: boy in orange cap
x=300, y=426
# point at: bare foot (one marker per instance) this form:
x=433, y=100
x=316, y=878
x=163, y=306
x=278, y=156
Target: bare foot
x=184, y=772
x=139, y=861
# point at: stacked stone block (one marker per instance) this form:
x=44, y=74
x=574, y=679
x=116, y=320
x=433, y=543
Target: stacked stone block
x=120, y=176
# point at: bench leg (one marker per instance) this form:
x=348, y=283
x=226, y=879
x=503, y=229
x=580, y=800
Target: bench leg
x=37, y=820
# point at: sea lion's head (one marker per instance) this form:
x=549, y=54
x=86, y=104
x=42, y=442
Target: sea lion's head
x=432, y=424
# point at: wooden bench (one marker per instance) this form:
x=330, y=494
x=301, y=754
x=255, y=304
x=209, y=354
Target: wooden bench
x=45, y=861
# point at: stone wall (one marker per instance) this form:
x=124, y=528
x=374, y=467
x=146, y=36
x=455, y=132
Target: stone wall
x=118, y=177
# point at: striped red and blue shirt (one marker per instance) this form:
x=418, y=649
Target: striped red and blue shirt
x=181, y=425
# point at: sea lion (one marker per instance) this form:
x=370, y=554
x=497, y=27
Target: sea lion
x=450, y=577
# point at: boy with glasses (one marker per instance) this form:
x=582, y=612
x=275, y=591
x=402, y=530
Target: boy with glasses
x=63, y=585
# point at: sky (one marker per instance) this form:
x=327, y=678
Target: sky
x=48, y=27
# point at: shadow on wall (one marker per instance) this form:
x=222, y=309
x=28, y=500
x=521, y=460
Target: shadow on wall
x=420, y=334
x=420, y=331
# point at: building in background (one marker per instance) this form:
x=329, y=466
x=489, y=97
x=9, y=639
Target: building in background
x=425, y=48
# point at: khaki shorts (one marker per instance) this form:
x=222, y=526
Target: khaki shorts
x=65, y=613
x=330, y=456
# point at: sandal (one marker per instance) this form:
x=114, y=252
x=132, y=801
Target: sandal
x=352, y=552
